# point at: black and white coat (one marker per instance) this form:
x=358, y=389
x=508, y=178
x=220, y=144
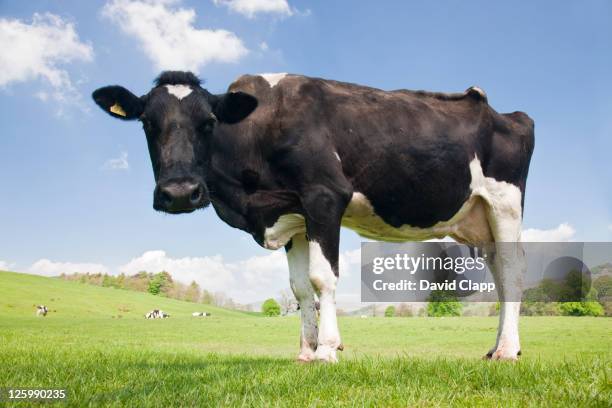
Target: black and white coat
x=41, y=310
x=290, y=159
x=156, y=314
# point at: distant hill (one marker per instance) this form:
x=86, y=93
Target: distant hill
x=604, y=269
x=19, y=293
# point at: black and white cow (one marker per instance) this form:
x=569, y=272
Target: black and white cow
x=157, y=314
x=200, y=314
x=41, y=310
x=290, y=159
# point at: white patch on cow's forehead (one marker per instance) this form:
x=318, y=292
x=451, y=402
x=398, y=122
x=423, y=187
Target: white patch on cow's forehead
x=273, y=79
x=180, y=91
x=479, y=90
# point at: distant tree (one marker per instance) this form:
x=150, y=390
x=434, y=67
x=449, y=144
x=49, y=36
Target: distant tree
x=108, y=281
x=176, y=290
x=270, y=308
x=155, y=286
x=286, y=301
x=575, y=287
x=603, y=285
x=192, y=293
x=443, y=303
x=207, y=297
x=139, y=282
x=404, y=310
x=390, y=311
x=155, y=283
x=167, y=287
x=586, y=308
x=160, y=283
x=120, y=281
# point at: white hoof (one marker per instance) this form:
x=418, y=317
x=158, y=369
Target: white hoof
x=326, y=354
x=503, y=354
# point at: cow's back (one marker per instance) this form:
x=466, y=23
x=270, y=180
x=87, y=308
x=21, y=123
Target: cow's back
x=408, y=152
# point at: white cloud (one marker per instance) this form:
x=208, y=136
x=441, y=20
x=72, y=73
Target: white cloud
x=6, y=266
x=118, y=163
x=348, y=261
x=46, y=267
x=563, y=233
x=610, y=227
x=250, y=8
x=168, y=36
x=38, y=51
x=264, y=270
x=247, y=280
x=209, y=271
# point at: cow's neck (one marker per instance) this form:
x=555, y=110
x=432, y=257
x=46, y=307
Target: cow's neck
x=249, y=210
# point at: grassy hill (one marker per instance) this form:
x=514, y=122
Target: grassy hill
x=21, y=292
x=236, y=359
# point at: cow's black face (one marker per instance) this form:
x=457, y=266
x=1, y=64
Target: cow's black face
x=178, y=118
x=178, y=122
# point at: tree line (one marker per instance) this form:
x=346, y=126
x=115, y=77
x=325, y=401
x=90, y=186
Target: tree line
x=159, y=284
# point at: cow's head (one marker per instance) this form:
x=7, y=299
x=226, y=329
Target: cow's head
x=178, y=117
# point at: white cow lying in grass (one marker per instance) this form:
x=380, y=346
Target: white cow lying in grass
x=200, y=314
x=156, y=314
x=41, y=310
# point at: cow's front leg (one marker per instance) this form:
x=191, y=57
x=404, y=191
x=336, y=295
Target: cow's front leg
x=324, y=210
x=299, y=278
x=323, y=278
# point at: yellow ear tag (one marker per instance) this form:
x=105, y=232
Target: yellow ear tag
x=117, y=110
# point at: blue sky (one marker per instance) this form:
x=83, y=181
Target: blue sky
x=64, y=202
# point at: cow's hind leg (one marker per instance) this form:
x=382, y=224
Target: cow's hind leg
x=298, y=258
x=507, y=265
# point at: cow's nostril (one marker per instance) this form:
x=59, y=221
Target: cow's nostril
x=196, y=195
x=166, y=198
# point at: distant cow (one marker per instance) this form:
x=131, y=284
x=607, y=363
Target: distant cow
x=41, y=310
x=290, y=159
x=156, y=314
x=200, y=314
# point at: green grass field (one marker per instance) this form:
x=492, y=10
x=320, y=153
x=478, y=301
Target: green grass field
x=238, y=359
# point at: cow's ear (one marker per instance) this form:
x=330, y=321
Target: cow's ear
x=233, y=107
x=118, y=102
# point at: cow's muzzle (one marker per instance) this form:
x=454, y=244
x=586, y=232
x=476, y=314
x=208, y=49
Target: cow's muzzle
x=178, y=197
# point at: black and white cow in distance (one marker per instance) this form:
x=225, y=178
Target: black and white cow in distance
x=290, y=159
x=156, y=314
x=41, y=310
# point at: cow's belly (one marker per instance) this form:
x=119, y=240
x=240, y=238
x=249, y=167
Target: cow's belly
x=468, y=225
